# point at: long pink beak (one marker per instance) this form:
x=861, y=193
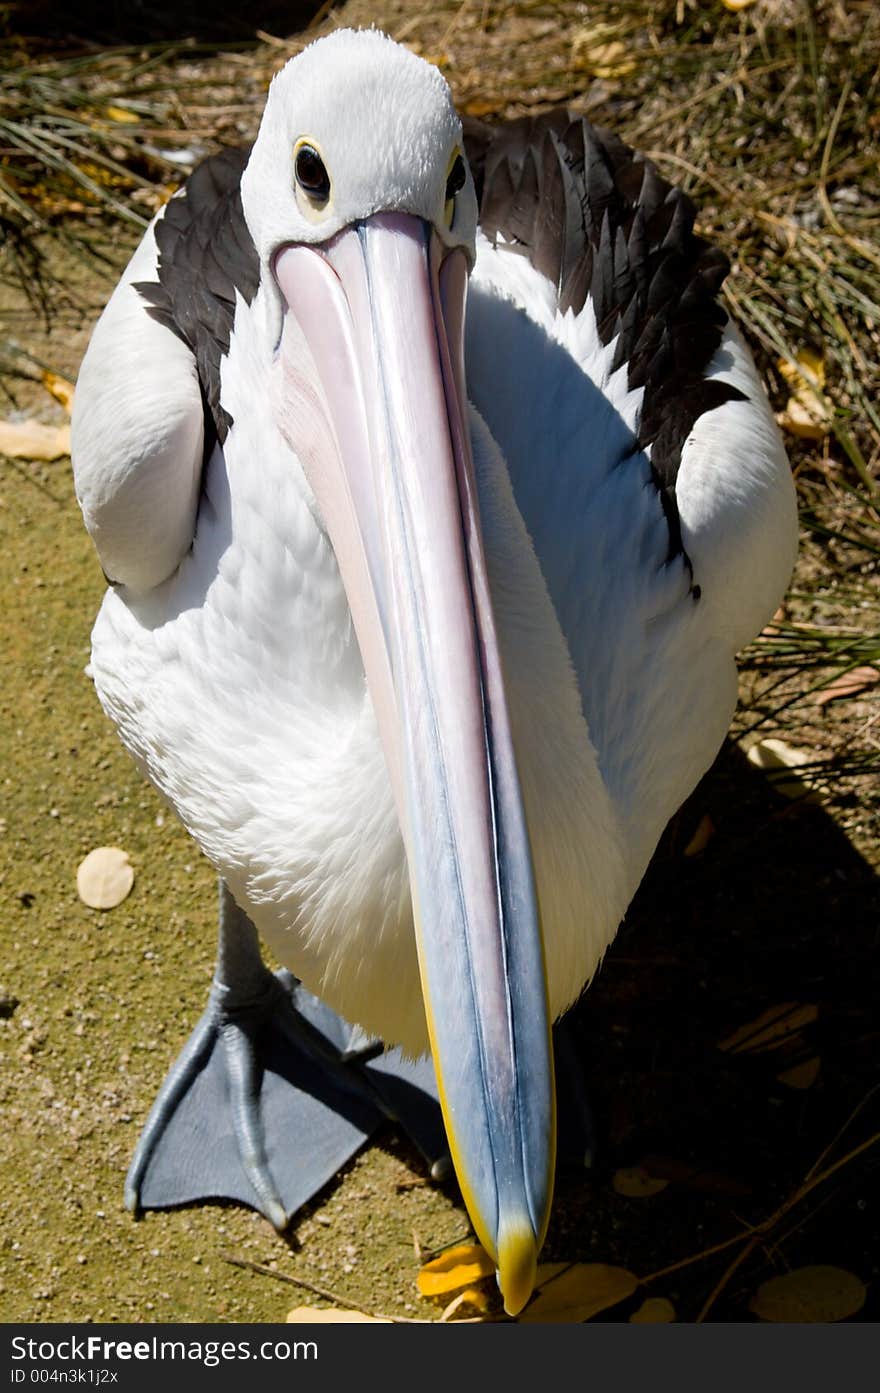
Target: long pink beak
x=375, y=405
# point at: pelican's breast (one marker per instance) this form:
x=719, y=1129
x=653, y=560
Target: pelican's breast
x=237, y=685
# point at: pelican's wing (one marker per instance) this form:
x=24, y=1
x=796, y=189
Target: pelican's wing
x=643, y=454
x=147, y=408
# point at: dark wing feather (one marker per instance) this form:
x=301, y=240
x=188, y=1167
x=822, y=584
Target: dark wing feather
x=598, y=220
x=206, y=254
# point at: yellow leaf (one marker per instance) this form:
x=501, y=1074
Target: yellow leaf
x=637, y=1183
x=804, y=416
x=61, y=389
x=33, y=440
x=324, y=1315
x=737, y=5
x=801, y=1075
x=104, y=878
x=437, y=57
x=776, y=758
x=593, y=52
x=457, y=1267
x=480, y=106
x=474, y=1298
x=120, y=114
x=569, y=1293
x=612, y=60
x=810, y=1294
x=654, y=1310
x=702, y=836
x=774, y=1027
x=810, y=369
x=806, y=413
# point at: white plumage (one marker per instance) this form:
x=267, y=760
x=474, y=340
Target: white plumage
x=226, y=654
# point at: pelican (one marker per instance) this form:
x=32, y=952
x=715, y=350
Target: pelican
x=424, y=622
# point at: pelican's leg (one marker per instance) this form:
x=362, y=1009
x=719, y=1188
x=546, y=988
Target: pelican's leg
x=271, y=1094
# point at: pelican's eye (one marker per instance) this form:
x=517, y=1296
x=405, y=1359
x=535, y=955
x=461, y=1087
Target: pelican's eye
x=456, y=178
x=311, y=174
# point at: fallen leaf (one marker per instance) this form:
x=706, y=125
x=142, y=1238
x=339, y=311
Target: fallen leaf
x=480, y=106
x=457, y=1267
x=776, y=759
x=702, y=836
x=593, y=52
x=810, y=1294
x=61, y=389
x=104, y=878
x=691, y=1177
x=569, y=1293
x=472, y=1297
x=848, y=684
x=736, y=5
x=637, y=1183
x=654, y=1310
x=611, y=60
x=802, y=1075
x=806, y=414
x=122, y=115
x=773, y=1028
x=34, y=440
x=809, y=367
x=331, y=1315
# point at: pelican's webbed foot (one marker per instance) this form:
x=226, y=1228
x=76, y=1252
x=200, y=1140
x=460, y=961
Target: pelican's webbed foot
x=271, y=1094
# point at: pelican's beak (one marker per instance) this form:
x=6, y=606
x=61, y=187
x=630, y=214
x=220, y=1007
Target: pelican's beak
x=373, y=400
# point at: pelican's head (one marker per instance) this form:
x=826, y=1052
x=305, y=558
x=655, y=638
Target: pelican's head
x=357, y=125
x=362, y=208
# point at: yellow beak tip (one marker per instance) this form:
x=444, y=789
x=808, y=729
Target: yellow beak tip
x=517, y=1266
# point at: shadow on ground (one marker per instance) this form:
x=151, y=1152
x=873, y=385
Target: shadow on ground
x=778, y=909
